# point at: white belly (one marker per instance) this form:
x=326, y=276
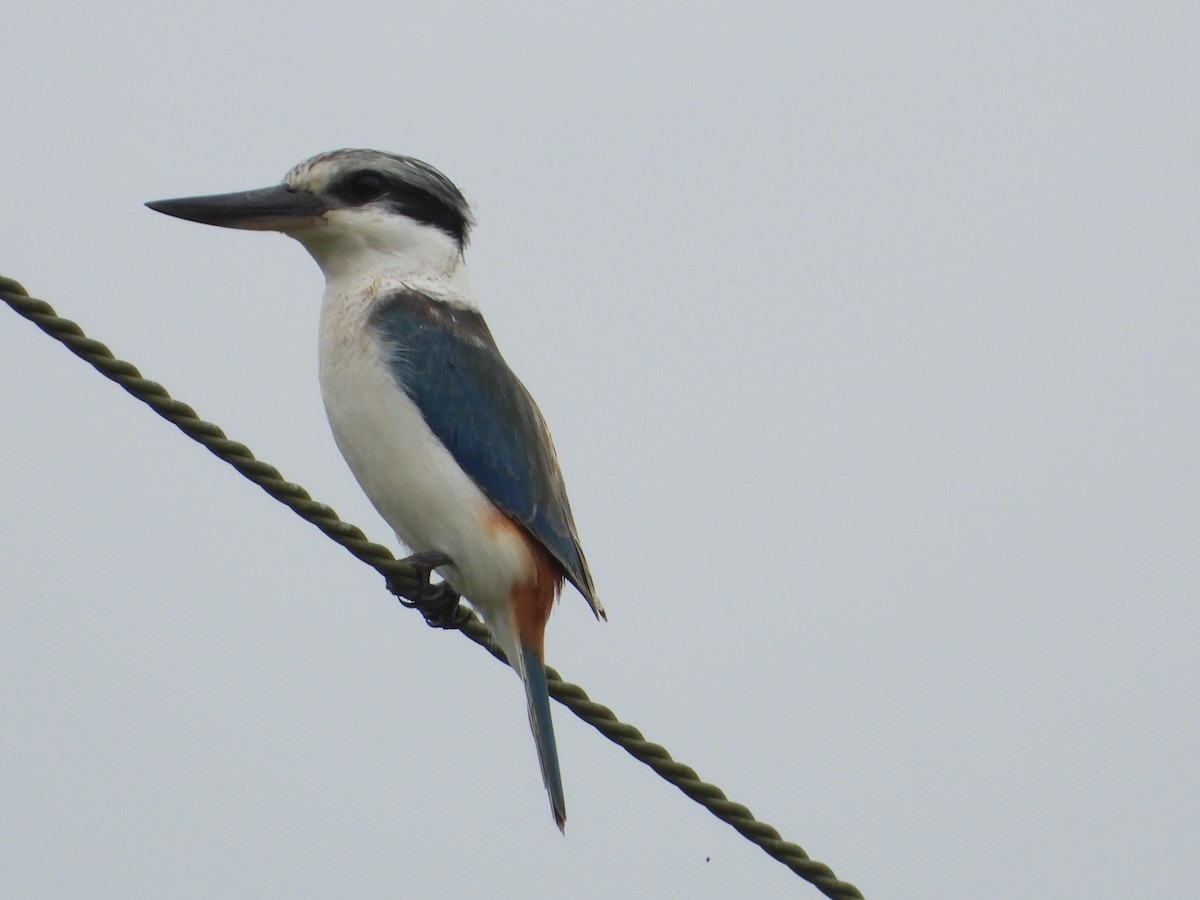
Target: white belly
x=408, y=475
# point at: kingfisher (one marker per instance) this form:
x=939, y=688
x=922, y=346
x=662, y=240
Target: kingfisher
x=442, y=437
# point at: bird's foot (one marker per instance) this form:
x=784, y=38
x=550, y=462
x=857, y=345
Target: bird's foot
x=438, y=603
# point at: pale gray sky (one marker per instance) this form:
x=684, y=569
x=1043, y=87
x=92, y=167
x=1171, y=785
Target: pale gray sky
x=868, y=340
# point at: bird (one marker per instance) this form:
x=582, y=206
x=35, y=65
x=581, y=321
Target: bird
x=443, y=438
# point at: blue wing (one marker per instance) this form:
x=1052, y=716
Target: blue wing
x=445, y=359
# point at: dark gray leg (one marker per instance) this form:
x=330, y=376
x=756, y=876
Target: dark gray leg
x=436, y=602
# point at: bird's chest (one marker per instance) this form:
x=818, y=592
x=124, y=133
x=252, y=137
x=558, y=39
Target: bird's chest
x=379, y=430
x=408, y=474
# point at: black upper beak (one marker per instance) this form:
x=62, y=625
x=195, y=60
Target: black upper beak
x=277, y=208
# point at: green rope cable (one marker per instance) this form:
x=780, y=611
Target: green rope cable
x=381, y=559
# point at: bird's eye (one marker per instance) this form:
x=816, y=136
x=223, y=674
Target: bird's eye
x=367, y=185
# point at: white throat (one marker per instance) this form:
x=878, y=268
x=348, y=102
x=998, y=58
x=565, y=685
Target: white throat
x=369, y=251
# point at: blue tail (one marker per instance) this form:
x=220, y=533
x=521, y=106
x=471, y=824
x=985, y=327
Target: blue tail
x=538, y=696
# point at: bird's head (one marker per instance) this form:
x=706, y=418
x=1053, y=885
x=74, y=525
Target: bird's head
x=346, y=205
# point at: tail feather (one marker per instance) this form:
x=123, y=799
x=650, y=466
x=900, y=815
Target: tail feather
x=538, y=694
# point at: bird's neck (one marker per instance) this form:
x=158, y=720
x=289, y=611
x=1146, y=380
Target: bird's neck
x=373, y=261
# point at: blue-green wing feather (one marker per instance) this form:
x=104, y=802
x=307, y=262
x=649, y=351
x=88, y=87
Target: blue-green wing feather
x=445, y=359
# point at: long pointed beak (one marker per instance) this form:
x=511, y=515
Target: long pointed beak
x=277, y=208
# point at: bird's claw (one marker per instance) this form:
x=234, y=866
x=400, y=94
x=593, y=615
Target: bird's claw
x=438, y=603
x=440, y=607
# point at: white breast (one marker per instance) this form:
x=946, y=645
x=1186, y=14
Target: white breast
x=411, y=479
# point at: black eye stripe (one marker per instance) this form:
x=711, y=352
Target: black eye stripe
x=369, y=186
x=360, y=187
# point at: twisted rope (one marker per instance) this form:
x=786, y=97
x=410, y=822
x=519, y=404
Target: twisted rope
x=402, y=574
